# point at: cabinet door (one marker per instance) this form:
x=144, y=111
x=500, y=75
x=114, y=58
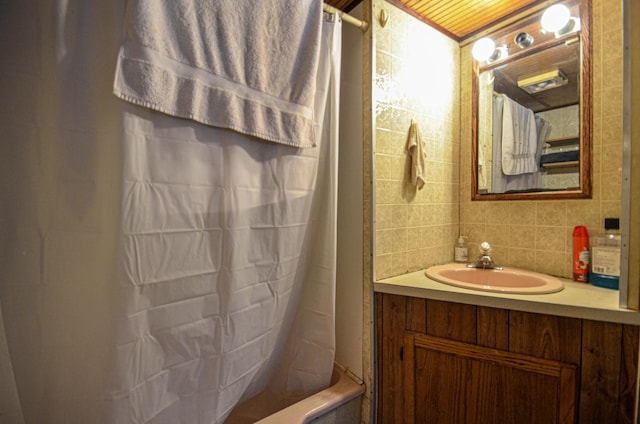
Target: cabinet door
x=454, y=382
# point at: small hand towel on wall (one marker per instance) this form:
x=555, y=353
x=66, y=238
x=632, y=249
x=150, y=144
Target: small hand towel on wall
x=245, y=65
x=416, y=151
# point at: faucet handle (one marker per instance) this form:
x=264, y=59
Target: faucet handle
x=485, y=248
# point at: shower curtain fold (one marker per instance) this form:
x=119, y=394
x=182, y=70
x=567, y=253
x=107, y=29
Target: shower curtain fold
x=160, y=268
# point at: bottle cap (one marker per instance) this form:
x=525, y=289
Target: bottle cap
x=611, y=224
x=461, y=240
x=580, y=231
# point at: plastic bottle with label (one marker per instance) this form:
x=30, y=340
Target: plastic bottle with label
x=605, y=256
x=461, y=251
x=581, y=254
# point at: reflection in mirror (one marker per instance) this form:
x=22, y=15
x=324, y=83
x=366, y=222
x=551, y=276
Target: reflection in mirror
x=532, y=114
x=529, y=135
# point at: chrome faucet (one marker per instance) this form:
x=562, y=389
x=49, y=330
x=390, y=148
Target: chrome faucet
x=484, y=261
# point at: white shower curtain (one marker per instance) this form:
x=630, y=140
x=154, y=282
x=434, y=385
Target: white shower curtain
x=154, y=270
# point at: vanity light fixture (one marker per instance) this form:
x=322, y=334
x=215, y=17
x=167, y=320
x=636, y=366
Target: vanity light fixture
x=544, y=81
x=523, y=40
x=499, y=53
x=555, y=18
x=572, y=26
x=483, y=49
x=558, y=19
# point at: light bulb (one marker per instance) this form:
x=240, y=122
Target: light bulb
x=555, y=17
x=483, y=49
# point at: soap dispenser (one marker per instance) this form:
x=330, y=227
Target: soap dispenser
x=461, y=251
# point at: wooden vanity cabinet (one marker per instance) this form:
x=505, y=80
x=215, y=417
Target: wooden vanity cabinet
x=443, y=362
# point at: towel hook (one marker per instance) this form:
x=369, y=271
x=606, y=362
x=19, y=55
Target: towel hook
x=383, y=18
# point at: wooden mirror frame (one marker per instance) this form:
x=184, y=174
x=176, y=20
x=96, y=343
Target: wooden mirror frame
x=505, y=36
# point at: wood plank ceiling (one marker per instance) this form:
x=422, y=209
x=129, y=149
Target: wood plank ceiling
x=460, y=19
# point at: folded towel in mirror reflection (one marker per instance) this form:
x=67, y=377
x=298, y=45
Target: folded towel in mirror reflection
x=416, y=151
x=519, y=139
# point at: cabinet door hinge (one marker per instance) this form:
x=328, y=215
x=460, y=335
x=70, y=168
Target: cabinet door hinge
x=401, y=353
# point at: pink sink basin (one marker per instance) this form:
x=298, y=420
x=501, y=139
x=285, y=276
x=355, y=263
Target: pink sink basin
x=507, y=280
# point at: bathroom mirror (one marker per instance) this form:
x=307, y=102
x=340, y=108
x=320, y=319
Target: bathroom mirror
x=532, y=111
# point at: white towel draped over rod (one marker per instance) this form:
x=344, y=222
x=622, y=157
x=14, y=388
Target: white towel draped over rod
x=363, y=25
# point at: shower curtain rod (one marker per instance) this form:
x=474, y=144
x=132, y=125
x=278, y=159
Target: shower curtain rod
x=363, y=25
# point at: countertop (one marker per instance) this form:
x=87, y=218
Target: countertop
x=576, y=300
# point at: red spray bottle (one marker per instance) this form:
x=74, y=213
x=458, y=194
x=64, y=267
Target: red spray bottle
x=581, y=254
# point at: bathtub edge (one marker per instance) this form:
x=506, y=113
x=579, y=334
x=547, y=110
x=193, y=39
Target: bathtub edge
x=334, y=396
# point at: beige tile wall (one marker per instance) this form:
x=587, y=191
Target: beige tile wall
x=416, y=70
x=537, y=234
x=416, y=78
